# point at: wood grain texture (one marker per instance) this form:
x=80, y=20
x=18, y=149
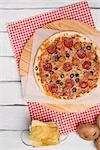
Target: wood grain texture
x=43, y=3
x=68, y=107
x=16, y=117
x=8, y=69
x=7, y=16
x=73, y=25
x=10, y=140
x=25, y=57
x=11, y=93
x=5, y=46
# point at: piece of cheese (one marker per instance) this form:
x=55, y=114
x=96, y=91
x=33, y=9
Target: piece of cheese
x=43, y=134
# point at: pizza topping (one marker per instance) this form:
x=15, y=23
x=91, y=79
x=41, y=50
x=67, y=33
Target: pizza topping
x=55, y=68
x=81, y=53
x=90, y=55
x=56, y=58
x=87, y=74
x=92, y=83
x=67, y=55
x=86, y=65
x=75, y=61
x=77, y=79
x=95, y=59
x=62, y=49
x=51, y=72
x=47, y=67
x=91, y=72
x=54, y=76
x=78, y=45
x=62, y=75
x=61, y=83
x=46, y=75
x=53, y=88
x=68, y=42
x=69, y=83
x=66, y=91
x=58, y=81
x=72, y=75
x=51, y=49
x=88, y=47
x=74, y=89
x=59, y=44
x=62, y=59
x=83, y=84
x=71, y=49
x=67, y=66
x=44, y=57
x=77, y=74
x=36, y=68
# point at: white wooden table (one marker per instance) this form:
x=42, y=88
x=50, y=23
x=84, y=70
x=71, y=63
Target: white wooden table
x=14, y=116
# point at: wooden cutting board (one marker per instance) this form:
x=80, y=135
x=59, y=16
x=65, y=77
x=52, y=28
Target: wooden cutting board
x=62, y=25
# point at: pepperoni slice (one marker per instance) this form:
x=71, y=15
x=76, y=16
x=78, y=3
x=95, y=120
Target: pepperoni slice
x=69, y=83
x=51, y=49
x=83, y=84
x=81, y=53
x=53, y=88
x=68, y=42
x=67, y=66
x=86, y=65
x=47, y=67
x=78, y=45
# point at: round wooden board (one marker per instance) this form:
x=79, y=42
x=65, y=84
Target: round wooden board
x=62, y=25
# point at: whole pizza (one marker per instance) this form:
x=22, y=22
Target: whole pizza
x=66, y=66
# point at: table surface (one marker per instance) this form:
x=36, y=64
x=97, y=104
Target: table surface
x=14, y=116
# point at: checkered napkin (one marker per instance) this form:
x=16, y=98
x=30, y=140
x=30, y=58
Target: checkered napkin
x=20, y=31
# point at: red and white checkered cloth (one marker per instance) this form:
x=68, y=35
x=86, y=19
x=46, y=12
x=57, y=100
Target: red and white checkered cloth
x=20, y=31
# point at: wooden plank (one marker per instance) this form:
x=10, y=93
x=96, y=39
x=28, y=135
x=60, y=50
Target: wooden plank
x=42, y=3
x=14, y=117
x=96, y=17
x=5, y=46
x=13, y=142
x=7, y=16
x=11, y=93
x=8, y=69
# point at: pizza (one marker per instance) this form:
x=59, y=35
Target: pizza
x=66, y=66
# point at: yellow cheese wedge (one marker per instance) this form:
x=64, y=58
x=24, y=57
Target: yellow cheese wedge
x=44, y=134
